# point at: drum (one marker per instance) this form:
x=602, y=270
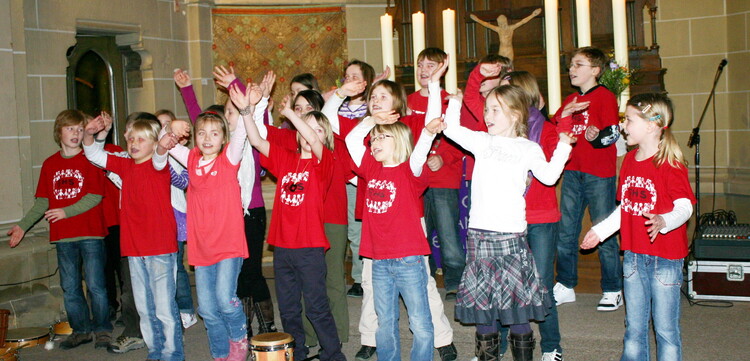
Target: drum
x=274, y=346
x=27, y=337
x=8, y=354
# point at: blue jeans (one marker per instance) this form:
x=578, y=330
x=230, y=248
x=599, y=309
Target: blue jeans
x=153, y=280
x=652, y=288
x=441, y=215
x=91, y=254
x=184, y=294
x=580, y=190
x=218, y=304
x=542, y=238
x=406, y=276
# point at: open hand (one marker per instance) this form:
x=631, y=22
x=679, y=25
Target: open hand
x=94, y=126
x=656, y=222
x=224, y=77
x=267, y=84
x=16, y=235
x=490, y=70
x=180, y=128
x=352, y=88
x=181, y=78
x=54, y=215
x=591, y=240
x=458, y=96
x=384, y=75
x=385, y=117
x=438, y=73
x=574, y=107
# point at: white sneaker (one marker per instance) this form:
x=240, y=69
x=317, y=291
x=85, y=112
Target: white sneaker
x=563, y=294
x=188, y=319
x=552, y=356
x=610, y=301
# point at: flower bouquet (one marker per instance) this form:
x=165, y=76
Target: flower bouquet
x=617, y=78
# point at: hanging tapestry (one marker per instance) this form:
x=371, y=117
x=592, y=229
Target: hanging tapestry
x=289, y=40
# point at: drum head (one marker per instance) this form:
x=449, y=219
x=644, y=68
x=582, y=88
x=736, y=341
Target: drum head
x=26, y=334
x=271, y=339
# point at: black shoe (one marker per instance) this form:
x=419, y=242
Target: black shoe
x=365, y=352
x=522, y=346
x=103, y=339
x=75, y=340
x=448, y=353
x=356, y=290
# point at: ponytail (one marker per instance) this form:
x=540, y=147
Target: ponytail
x=658, y=108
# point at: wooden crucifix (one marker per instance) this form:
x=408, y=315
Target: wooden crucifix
x=505, y=31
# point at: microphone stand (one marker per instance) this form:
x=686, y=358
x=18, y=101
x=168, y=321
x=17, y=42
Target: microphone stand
x=695, y=140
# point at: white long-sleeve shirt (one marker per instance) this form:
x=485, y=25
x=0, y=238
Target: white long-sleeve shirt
x=500, y=173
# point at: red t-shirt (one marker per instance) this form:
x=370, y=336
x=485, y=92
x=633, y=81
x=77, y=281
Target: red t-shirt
x=64, y=181
x=541, y=200
x=147, y=225
x=601, y=113
x=297, y=218
x=391, y=225
x=335, y=206
x=646, y=188
x=472, y=112
x=215, y=222
x=111, y=201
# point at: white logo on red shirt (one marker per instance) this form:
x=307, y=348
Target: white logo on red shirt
x=638, y=195
x=67, y=184
x=380, y=195
x=293, y=188
x=580, y=122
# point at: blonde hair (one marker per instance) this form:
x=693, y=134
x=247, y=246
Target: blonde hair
x=149, y=128
x=402, y=138
x=67, y=118
x=657, y=108
x=212, y=117
x=517, y=102
x=528, y=83
x=322, y=120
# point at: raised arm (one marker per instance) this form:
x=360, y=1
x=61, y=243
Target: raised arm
x=93, y=152
x=484, y=23
x=334, y=102
x=422, y=148
x=434, y=103
x=305, y=131
x=251, y=129
x=182, y=79
x=467, y=139
x=526, y=19
x=355, y=139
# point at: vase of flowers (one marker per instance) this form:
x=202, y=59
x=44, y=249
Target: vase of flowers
x=617, y=78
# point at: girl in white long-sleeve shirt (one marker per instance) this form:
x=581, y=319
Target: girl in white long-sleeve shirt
x=500, y=282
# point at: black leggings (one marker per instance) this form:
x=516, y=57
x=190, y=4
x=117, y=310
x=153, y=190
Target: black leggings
x=251, y=282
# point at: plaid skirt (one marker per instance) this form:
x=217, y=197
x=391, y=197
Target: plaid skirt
x=500, y=281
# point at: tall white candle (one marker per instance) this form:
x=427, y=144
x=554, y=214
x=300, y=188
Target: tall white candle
x=619, y=22
x=552, y=40
x=449, y=46
x=386, y=36
x=417, y=30
x=583, y=22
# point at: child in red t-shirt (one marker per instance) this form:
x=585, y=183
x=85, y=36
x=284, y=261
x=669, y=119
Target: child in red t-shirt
x=296, y=229
x=589, y=176
x=656, y=202
x=392, y=233
x=148, y=233
x=69, y=197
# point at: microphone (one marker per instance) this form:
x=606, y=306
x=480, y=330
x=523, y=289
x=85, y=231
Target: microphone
x=723, y=63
